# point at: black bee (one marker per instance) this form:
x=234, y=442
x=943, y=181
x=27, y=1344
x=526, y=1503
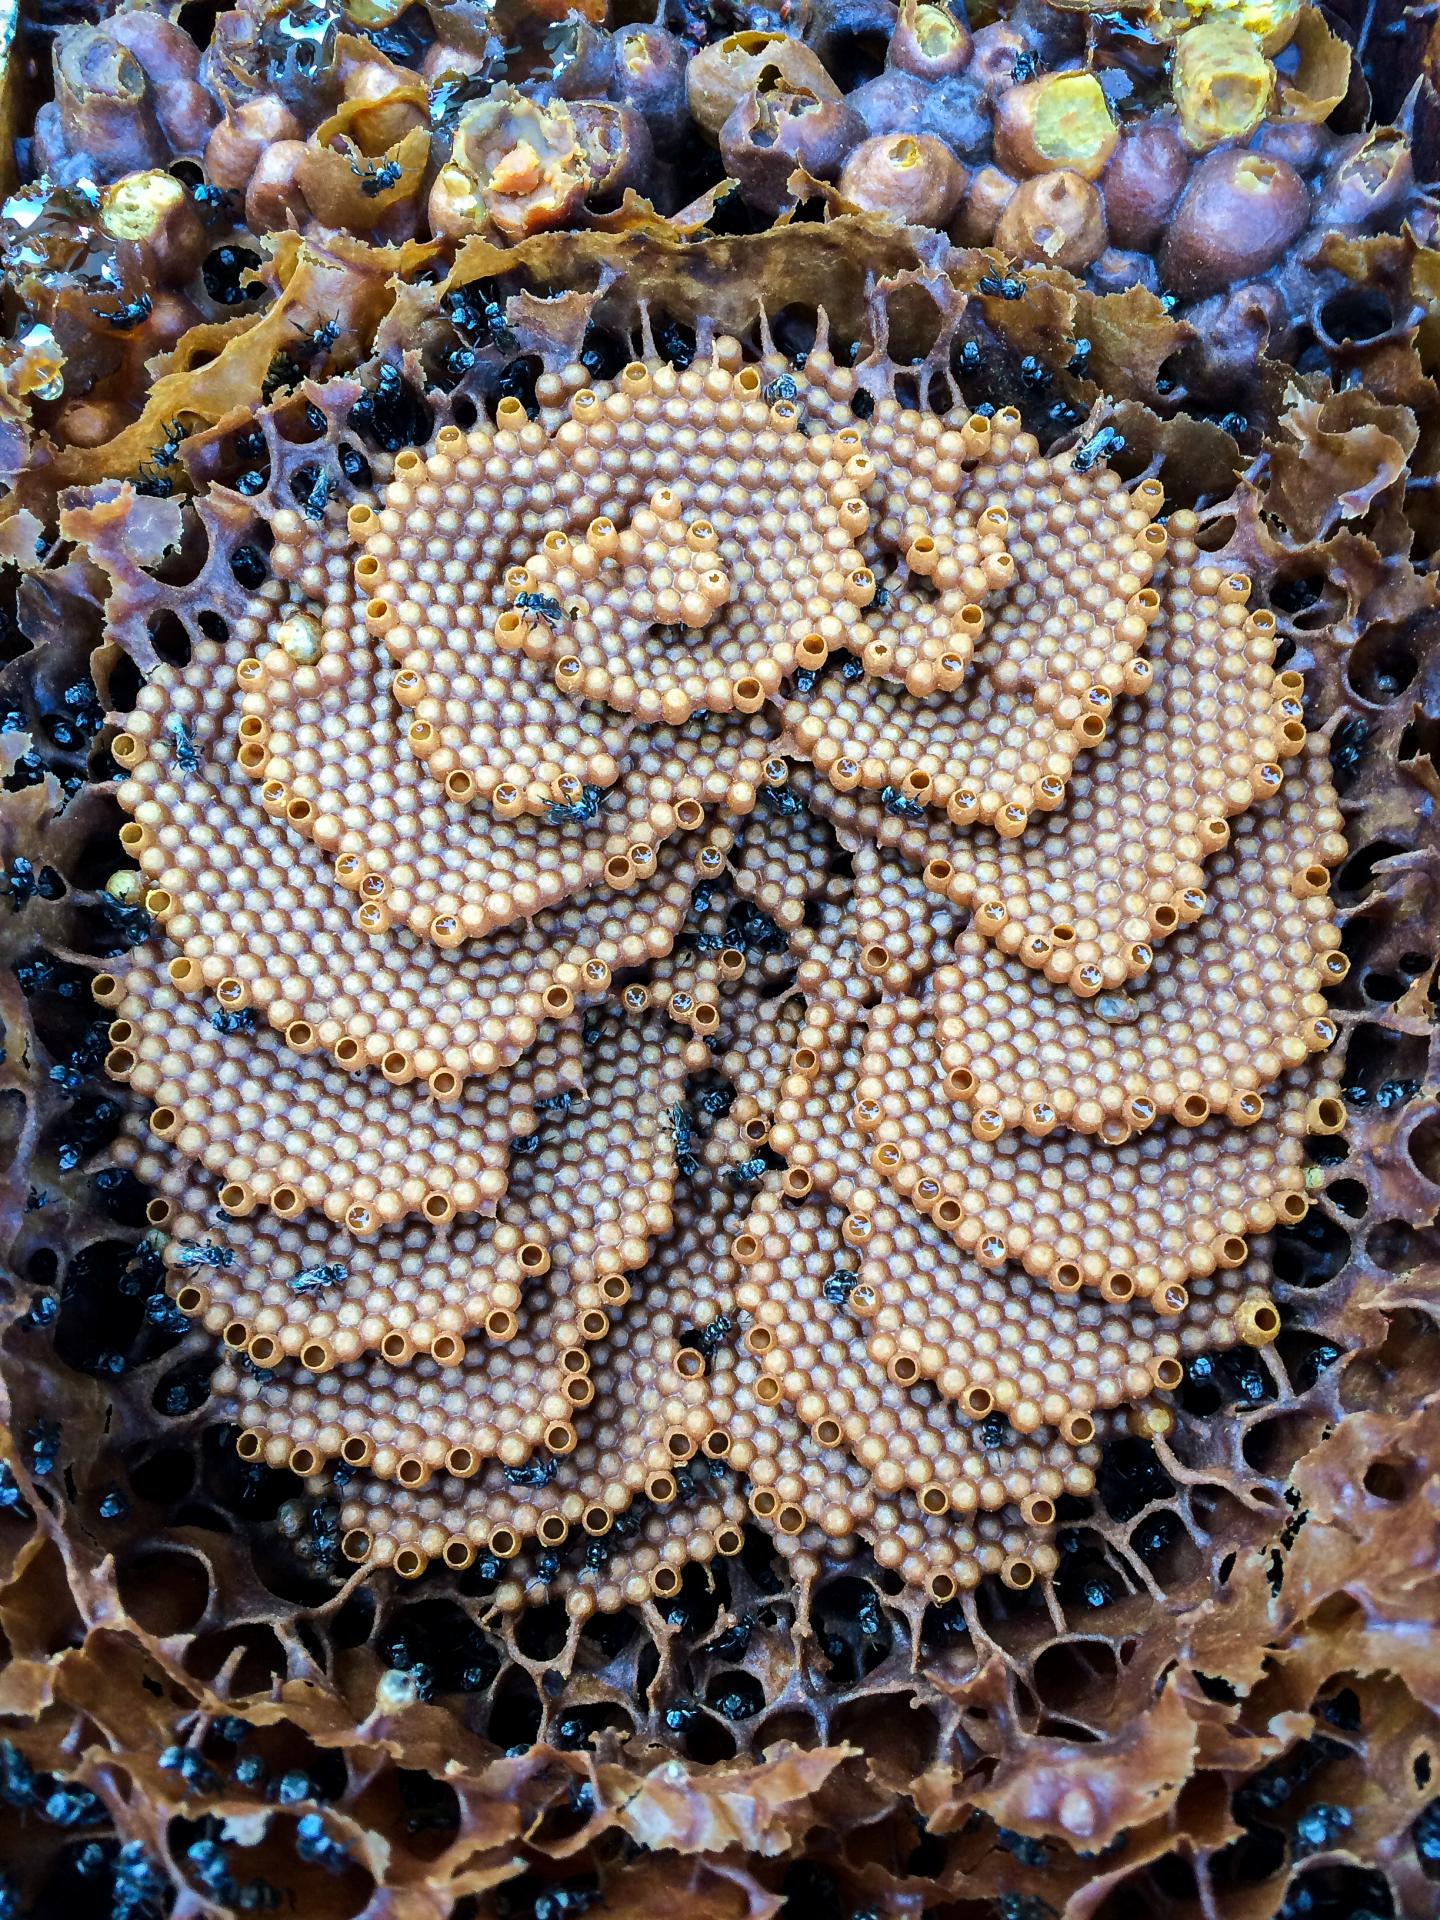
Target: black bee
x=354, y=465
x=1103, y=445
x=837, y=1288
x=1011, y=287
x=321, y=341
x=734, y=1642
x=893, y=801
x=501, y=337
x=587, y=807
x=537, y=1473
x=713, y=1337
x=241, y=1022
x=682, y=1136
x=782, y=389
x=474, y=311
x=544, y=607
x=312, y=1280
x=153, y=479
x=208, y=1255
x=747, y=927
x=215, y=204
x=130, y=315
x=311, y=488
x=674, y=344
x=782, y=800
x=748, y=1171
x=187, y=756
x=164, y=455
x=376, y=180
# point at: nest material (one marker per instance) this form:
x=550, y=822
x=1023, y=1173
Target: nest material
x=1240, y=1591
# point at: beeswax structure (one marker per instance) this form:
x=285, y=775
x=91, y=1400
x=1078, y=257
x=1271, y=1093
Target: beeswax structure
x=715, y=952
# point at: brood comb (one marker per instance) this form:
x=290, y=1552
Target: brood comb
x=707, y=947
